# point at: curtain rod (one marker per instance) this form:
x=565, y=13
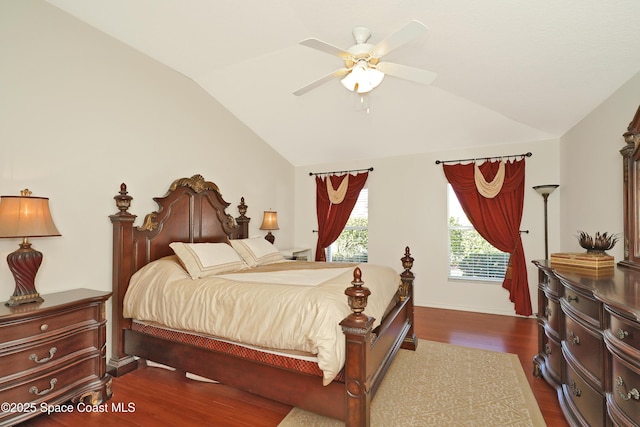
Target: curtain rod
x=484, y=158
x=334, y=172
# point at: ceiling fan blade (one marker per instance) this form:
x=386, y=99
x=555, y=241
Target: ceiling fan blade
x=404, y=35
x=408, y=73
x=323, y=80
x=326, y=48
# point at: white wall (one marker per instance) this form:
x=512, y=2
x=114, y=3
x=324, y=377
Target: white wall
x=81, y=113
x=591, y=170
x=408, y=207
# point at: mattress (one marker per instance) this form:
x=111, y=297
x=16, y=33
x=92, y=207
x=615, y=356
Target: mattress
x=290, y=307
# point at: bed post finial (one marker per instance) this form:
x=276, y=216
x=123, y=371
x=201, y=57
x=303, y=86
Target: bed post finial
x=406, y=276
x=123, y=200
x=357, y=294
x=243, y=220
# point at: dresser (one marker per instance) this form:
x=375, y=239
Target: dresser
x=589, y=343
x=53, y=353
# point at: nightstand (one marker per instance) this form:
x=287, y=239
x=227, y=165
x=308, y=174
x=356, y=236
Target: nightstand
x=300, y=254
x=53, y=352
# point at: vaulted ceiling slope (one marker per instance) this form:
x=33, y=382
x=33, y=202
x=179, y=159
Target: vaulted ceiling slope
x=508, y=71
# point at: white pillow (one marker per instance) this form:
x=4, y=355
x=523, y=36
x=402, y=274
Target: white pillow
x=257, y=251
x=207, y=259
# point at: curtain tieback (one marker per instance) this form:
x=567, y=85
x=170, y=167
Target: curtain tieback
x=337, y=196
x=491, y=189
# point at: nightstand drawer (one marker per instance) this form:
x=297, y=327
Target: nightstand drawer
x=19, y=361
x=27, y=328
x=52, y=385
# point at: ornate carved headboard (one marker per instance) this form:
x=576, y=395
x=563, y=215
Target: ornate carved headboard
x=191, y=211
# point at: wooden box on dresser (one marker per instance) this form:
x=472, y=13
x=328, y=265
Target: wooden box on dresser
x=52, y=353
x=597, y=316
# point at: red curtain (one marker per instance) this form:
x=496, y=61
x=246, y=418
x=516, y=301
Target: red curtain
x=497, y=219
x=333, y=217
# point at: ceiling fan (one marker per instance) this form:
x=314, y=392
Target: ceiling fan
x=363, y=70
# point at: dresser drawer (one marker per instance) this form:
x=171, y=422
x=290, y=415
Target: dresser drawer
x=51, y=386
x=587, y=308
x=625, y=388
x=21, y=360
x=549, y=281
x=587, y=347
x=25, y=329
x=553, y=357
x=552, y=315
x=624, y=330
x=588, y=402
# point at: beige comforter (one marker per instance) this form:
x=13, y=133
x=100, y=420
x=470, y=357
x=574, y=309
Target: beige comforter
x=266, y=307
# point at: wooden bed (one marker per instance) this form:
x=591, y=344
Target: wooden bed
x=194, y=211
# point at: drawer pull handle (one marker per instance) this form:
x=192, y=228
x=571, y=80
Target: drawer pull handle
x=633, y=394
x=547, y=312
x=34, y=389
x=570, y=298
x=622, y=334
x=34, y=356
x=547, y=349
x=576, y=391
x=44, y=327
x=573, y=338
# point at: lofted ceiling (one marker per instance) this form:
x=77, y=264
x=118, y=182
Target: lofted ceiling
x=508, y=71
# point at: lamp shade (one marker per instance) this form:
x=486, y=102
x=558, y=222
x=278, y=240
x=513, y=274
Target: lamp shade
x=545, y=189
x=270, y=221
x=22, y=216
x=362, y=78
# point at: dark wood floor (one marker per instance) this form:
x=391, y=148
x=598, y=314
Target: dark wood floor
x=155, y=397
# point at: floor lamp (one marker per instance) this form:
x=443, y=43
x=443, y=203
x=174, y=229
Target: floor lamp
x=544, y=191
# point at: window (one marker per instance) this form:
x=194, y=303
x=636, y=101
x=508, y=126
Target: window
x=470, y=256
x=353, y=243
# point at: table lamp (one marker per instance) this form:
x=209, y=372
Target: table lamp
x=270, y=222
x=23, y=217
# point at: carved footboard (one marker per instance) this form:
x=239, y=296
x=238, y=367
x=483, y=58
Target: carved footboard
x=369, y=353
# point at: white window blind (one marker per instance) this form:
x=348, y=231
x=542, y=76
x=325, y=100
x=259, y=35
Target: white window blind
x=353, y=243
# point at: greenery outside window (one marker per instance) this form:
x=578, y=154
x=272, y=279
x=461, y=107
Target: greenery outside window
x=471, y=257
x=353, y=243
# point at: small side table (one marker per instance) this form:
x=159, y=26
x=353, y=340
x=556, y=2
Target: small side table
x=298, y=254
x=53, y=352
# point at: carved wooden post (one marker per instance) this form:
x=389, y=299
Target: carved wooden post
x=243, y=220
x=120, y=363
x=406, y=291
x=357, y=330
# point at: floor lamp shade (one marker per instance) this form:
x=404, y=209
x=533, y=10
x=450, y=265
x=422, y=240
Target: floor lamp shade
x=23, y=217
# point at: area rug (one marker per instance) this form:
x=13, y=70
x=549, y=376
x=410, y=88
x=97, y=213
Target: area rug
x=446, y=385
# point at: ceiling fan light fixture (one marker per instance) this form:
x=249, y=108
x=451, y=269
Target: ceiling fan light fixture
x=362, y=78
